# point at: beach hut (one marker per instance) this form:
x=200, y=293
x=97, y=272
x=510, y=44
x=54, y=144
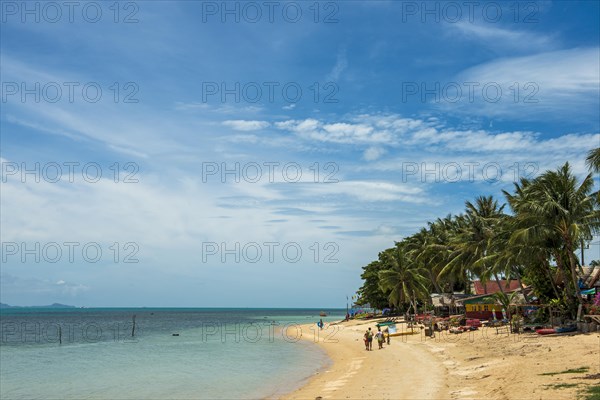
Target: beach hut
x=445, y=304
x=482, y=307
x=486, y=306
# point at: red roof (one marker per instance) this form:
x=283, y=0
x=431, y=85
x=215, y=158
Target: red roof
x=491, y=287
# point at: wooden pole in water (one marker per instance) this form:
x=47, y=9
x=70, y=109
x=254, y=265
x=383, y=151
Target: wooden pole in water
x=59, y=335
x=133, y=327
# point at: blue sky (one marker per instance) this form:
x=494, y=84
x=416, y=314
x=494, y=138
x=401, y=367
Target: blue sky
x=404, y=112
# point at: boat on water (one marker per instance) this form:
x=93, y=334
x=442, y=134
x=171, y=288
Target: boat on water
x=322, y=314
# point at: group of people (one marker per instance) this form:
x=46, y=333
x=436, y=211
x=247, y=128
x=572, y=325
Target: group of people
x=379, y=336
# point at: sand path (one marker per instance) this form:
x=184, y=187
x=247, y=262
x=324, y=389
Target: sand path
x=400, y=370
x=476, y=365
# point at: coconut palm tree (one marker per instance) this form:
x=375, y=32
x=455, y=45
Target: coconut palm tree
x=405, y=280
x=416, y=249
x=473, y=238
x=370, y=292
x=556, y=210
x=593, y=160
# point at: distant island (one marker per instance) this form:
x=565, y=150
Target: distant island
x=54, y=305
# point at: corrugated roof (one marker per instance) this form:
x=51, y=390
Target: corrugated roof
x=491, y=287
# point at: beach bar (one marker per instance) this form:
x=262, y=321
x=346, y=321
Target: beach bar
x=482, y=307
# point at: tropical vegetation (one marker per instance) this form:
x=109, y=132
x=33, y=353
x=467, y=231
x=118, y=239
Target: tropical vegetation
x=533, y=238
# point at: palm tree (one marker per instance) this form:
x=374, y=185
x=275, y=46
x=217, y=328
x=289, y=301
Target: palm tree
x=555, y=210
x=419, y=248
x=593, y=160
x=404, y=279
x=473, y=238
x=370, y=292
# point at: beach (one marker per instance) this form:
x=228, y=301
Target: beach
x=475, y=365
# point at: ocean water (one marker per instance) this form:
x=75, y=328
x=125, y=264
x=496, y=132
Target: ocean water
x=219, y=353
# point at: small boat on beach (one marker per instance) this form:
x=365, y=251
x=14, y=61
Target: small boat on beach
x=386, y=323
x=404, y=333
x=392, y=331
x=558, y=329
x=566, y=328
x=545, y=331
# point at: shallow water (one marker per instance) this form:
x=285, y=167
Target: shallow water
x=219, y=353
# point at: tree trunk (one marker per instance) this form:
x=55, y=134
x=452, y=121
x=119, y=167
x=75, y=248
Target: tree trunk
x=546, y=267
x=521, y=289
x=573, y=267
x=437, y=287
x=498, y=283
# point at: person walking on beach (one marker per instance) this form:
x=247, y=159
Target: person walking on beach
x=370, y=339
x=387, y=334
x=379, y=336
x=366, y=339
x=321, y=323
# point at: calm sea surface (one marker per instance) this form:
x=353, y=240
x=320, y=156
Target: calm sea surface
x=218, y=353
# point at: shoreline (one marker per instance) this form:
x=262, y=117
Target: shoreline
x=480, y=364
x=357, y=373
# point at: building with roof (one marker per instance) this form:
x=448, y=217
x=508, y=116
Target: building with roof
x=491, y=287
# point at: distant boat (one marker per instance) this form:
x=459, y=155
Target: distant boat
x=322, y=314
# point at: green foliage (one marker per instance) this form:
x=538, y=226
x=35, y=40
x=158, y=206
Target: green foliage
x=552, y=215
x=402, y=277
x=370, y=292
x=540, y=277
x=593, y=160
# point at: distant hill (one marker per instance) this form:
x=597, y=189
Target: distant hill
x=54, y=305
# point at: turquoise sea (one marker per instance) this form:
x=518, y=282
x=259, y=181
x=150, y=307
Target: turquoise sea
x=218, y=353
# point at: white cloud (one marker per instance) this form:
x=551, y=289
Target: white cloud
x=546, y=85
x=496, y=37
x=370, y=191
x=338, y=132
x=377, y=135
x=373, y=153
x=244, y=125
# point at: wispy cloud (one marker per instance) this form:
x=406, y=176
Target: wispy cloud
x=545, y=85
x=243, y=125
x=340, y=66
x=496, y=37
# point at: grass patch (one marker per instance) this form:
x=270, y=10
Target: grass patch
x=579, y=370
x=563, y=385
x=592, y=393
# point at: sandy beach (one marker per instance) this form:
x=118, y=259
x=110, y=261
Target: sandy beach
x=476, y=365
